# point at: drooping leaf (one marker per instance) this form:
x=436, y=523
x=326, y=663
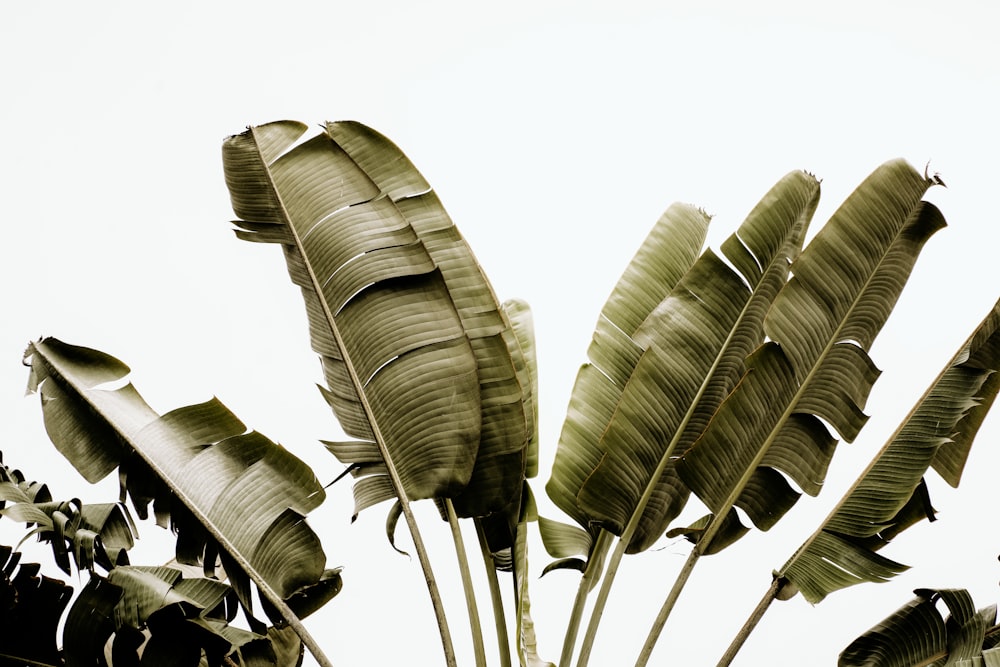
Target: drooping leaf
x=527, y=644
x=227, y=491
x=87, y=534
x=890, y=495
x=816, y=365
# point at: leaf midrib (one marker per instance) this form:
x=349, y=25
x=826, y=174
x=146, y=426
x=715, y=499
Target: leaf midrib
x=379, y=438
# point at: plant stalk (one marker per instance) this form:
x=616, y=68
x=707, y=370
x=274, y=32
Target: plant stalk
x=668, y=606
x=499, y=619
x=592, y=571
x=751, y=623
x=600, y=603
x=470, y=595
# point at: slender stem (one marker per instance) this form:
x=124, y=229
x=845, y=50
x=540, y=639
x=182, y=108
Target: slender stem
x=586, y=584
x=758, y=613
x=668, y=606
x=470, y=595
x=432, y=587
x=600, y=603
x=499, y=618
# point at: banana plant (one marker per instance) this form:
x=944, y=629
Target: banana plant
x=175, y=614
x=763, y=414
x=815, y=366
x=424, y=369
x=891, y=494
x=710, y=374
x=233, y=497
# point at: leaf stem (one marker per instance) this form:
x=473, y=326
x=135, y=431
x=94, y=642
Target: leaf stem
x=499, y=619
x=600, y=603
x=751, y=623
x=470, y=595
x=593, y=570
x=432, y=587
x=668, y=606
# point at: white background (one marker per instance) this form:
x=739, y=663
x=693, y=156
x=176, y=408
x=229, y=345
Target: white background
x=555, y=133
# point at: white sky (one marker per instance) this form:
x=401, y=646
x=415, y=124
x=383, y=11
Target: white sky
x=555, y=133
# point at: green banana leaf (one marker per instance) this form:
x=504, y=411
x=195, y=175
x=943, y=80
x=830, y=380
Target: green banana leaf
x=891, y=495
x=916, y=634
x=420, y=361
x=815, y=368
x=666, y=254
x=663, y=361
x=230, y=494
x=31, y=606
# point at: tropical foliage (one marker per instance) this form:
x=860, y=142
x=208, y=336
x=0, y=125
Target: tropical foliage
x=724, y=378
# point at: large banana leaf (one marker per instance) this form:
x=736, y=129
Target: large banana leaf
x=890, y=495
x=916, y=634
x=662, y=363
x=815, y=367
x=229, y=492
x=421, y=363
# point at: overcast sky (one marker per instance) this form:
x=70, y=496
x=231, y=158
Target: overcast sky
x=555, y=133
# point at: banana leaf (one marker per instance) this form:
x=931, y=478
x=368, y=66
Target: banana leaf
x=815, y=367
x=916, y=634
x=232, y=495
x=661, y=361
x=891, y=494
x=420, y=361
x=666, y=254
